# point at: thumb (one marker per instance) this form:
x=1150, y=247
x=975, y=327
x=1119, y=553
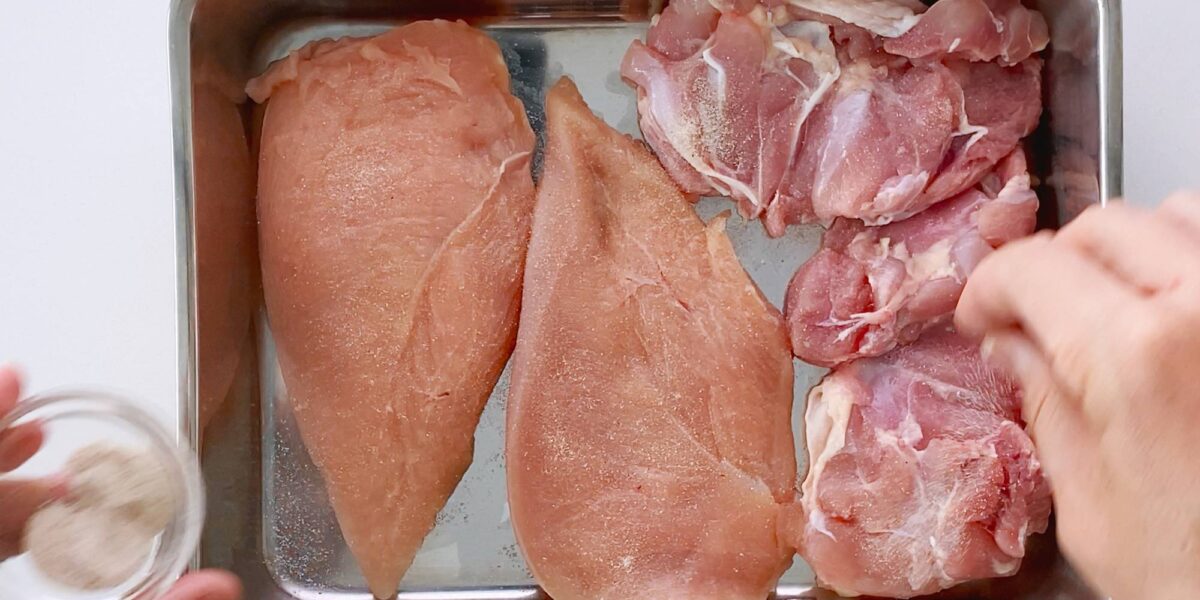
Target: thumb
x=18, y=501
x=206, y=585
x=1069, y=449
x=1065, y=442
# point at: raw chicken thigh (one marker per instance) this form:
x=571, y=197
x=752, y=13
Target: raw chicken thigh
x=723, y=95
x=796, y=110
x=884, y=18
x=871, y=288
x=921, y=475
x=1003, y=105
x=899, y=127
x=871, y=149
x=395, y=201
x=649, y=443
x=895, y=141
x=977, y=30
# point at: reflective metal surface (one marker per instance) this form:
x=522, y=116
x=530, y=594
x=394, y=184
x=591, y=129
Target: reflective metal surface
x=269, y=520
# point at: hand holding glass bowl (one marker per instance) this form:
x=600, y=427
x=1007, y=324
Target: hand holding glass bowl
x=23, y=432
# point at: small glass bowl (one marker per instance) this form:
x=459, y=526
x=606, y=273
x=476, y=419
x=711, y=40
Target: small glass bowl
x=74, y=419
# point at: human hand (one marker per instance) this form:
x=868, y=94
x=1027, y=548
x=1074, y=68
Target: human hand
x=1101, y=324
x=19, y=500
x=206, y=585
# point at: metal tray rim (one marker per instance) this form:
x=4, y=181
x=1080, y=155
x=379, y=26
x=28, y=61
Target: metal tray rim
x=1109, y=47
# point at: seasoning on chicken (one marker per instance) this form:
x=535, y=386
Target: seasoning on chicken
x=977, y=30
x=871, y=149
x=649, y=443
x=805, y=111
x=871, y=288
x=1002, y=106
x=395, y=200
x=921, y=475
x=723, y=96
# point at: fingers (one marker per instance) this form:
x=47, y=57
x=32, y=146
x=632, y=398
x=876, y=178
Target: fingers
x=1147, y=251
x=1015, y=353
x=18, y=444
x=206, y=585
x=1183, y=209
x=1067, y=445
x=18, y=501
x=10, y=388
x=1059, y=298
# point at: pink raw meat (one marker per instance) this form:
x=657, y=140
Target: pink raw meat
x=883, y=18
x=226, y=258
x=871, y=288
x=844, y=170
x=723, y=96
x=754, y=101
x=921, y=476
x=1002, y=106
x=872, y=147
x=394, y=205
x=977, y=30
x=649, y=440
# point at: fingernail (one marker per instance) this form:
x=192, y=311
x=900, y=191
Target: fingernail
x=987, y=348
x=998, y=355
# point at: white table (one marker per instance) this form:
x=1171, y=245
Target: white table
x=87, y=223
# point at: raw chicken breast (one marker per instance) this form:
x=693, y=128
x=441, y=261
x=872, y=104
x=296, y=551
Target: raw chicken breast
x=921, y=475
x=227, y=284
x=723, y=96
x=649, y=443
x=395, y=201
x=871, y=288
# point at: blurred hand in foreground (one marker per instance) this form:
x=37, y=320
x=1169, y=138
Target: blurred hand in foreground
x=20, y=499
x=1101, y=323
x=206, y=585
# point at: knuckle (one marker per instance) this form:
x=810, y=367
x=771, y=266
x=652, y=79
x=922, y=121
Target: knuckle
x=1038, y=239
x=1087, y=219
x=1166, y=332
x=1154, y=333
x=1016, y=254
x=1069, y=355
x=985, y=273
x=1096, y=223
x=1182, y=199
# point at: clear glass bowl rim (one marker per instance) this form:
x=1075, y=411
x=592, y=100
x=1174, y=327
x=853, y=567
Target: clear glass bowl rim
x=178, y=542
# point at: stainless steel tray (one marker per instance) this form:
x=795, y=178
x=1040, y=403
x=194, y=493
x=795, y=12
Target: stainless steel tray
x=269, y=520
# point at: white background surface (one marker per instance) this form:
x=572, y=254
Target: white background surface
x=87, y=237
